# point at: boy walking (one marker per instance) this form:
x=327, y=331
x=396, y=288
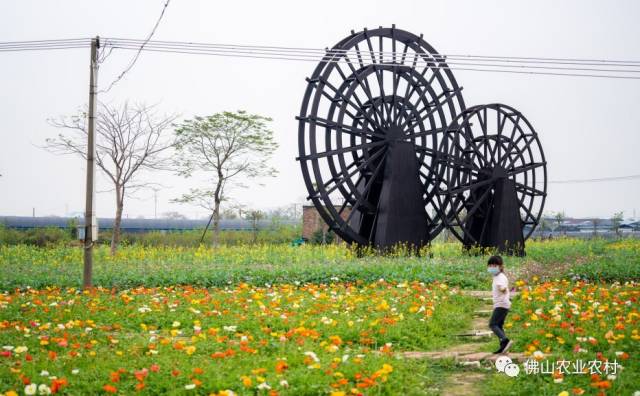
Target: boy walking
x=501, y=301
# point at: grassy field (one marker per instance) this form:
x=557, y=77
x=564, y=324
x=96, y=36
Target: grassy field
x=275, y=319
x=28, y=266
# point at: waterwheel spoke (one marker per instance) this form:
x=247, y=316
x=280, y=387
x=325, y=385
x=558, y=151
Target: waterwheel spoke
x=352, y=173
x=476, y=206
x=507, y=153
x=524, y=168
x=449, y=95
x=366, y=190
x=351, y=130
x=341, y=150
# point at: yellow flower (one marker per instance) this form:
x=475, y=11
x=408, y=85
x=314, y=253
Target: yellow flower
x=563, y=393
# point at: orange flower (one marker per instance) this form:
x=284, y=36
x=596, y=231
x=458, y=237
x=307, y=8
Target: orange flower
x=115, y=376
x=155, y=368
x=140, y=386
x=198, y=370
x=606, y=384
x=52, y=355
x=141, y=374
x=110, y=389
x=281, y=366
x=577, y=391
x=58, y=384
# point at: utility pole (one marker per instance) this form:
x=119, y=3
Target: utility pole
x=90, y=214
x=155, y=203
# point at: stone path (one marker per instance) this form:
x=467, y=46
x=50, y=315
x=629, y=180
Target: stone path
x=469, y=354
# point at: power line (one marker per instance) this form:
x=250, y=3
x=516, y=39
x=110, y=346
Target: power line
x=430, y=64
x=135, y=58
x=617, y=69
x=596, y=180
x=344, y=58
x=35, y=45
x=337, y=51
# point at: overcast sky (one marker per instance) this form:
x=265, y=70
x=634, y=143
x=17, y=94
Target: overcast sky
x=589, y=128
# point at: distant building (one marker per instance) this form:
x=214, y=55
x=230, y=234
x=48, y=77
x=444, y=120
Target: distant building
x=313, y=222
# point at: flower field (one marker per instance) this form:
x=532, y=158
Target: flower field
x=585, y=338
x=335, y=338
x=309, y=320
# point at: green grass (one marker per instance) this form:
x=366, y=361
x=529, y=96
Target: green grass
x=28, y=266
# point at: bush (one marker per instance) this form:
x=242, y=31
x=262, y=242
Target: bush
x=34, y=237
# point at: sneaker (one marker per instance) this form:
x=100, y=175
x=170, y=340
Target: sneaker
x=508, y=345
x=503, y=346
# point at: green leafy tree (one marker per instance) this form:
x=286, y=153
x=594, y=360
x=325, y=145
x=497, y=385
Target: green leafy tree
x=616, y=221
x=225, y=147
x=559, y=217
x=254, y=216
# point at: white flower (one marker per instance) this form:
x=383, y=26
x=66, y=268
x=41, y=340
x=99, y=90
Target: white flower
x=284, y=384
x=144, y=309
x=312, y=355
x=21, y=349
x=190, y=386
x=230, y=328
x=264, y=386
x=43, y=389
x=75, y=371
x=8, y=347
x=611, y=377
x=44, y=373
x=176, y=324
x=30, y=389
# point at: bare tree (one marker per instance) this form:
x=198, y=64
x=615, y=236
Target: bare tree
x=129, y=139
x=226, y=147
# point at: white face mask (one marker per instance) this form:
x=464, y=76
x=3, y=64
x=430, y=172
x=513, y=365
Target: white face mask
x=493, y=270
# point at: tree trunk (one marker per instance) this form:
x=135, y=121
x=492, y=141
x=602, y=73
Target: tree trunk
x=115, y=237
x=216, y=223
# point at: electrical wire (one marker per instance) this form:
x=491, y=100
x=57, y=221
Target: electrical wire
x=340, y=58
x=597, y=180
x=615, y=69
x=440, y=65
x=36, y=45
x=135, y=58
x=397, y=53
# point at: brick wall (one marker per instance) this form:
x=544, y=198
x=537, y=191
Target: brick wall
x=312, y=221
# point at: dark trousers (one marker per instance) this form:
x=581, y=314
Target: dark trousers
x=497, y=321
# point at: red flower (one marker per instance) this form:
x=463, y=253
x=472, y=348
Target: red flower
x=110, y=389
x=58, y=384
x=141, y=375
